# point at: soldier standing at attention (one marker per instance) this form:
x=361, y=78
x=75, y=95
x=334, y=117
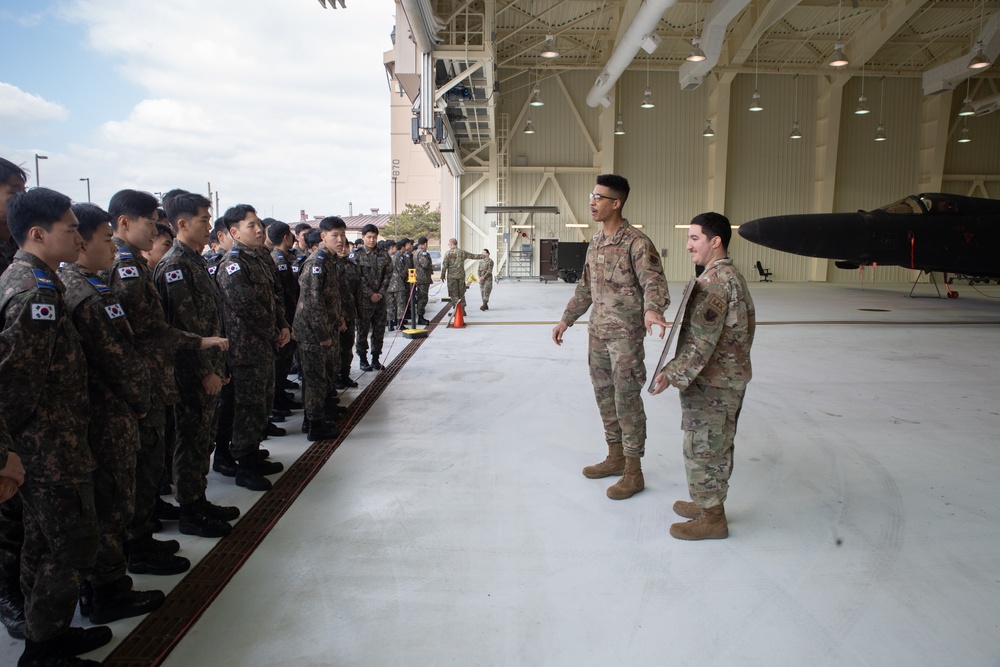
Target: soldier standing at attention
x=485, y=279
x=397, y=285
x=623, y=281
x=453, y=271
x=373, y=265
x=118, y=385
x=191, y=303
x=424, y=265
x=44, y=400
x=257, y=329
x=349, y=278
x=133, y=216
x=712, y=369
x=318, y=323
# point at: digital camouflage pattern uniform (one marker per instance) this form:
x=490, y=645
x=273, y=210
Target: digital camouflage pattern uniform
x=397, y=287
x=118, y=382
x=11, y=524
x=318, y=317
x=290, y=297
x=622, y=279
x=373, y=265
x=253, y=323
x=424, y=265
x=44, y=400
x=453, y=270
x=131, y=279
x=349, y=278
x=485, y=275
x=191, y=303
x=712, y=369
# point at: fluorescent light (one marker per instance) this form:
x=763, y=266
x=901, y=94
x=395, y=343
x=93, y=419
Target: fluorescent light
x=576, y=224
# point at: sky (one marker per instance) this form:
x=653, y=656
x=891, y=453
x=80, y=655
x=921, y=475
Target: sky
x=281, y=104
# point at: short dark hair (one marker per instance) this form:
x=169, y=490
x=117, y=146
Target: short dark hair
x=170, y=194
x=132, y=204
x=39, y=207
x=486, y=251
x=164, y=230
x=267, y=222
x=617, y=183
x=369, y=228
x=400, y=244
x=90, y=216
x=277, y=231
x=313, y=238
x=358, y=242
x=183, y=204
x=218, y=228
x=237, y=214
x=714, y=224
x=9, y=169
x=302, y=225
x=422, y=240
x=332, y=222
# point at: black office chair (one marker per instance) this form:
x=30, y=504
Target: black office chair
x=765, y=274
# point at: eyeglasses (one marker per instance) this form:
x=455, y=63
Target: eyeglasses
x=597, y=198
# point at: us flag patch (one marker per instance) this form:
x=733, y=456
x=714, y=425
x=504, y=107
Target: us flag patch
x=115, y=311
x=126, y=272
x=174, y=276
x=232, y=268
x=43, y=311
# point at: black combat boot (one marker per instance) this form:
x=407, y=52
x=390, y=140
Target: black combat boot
x=422, y=321
x=322, y=430
x=376, y=365
x=391, y=325
x=117, y=600
x=305, y=424
x=348, y=382
x=196, y=521
x=224, y=512
x=165, y=511
x=274, y=430
x=224, y=463
x=61, y=651
x=149, y=556
x=12, y=607
x=249, y=475
x=363, y=362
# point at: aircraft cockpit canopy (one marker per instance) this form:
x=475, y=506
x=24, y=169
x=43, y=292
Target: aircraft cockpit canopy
x=922, y=205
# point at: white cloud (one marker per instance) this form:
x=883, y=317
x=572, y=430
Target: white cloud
x=26, y=111
x=278, y=103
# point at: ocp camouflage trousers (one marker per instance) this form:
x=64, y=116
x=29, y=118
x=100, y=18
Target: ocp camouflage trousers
x=456, y=290
x=485, y=288
x=60, y=543
x=709, y=416
x=618, y=371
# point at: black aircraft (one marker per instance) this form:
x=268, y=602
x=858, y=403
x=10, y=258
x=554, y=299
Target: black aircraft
x=929, y=232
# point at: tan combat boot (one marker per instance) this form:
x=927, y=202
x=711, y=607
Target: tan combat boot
x=613, y=465
x=631, y=482
x=711, y=525
x=687, y=510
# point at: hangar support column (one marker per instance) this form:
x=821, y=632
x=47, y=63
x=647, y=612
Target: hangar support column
x=829, y=104
x=934, y=134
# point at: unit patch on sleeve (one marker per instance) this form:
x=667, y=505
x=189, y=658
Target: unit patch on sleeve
x=126, y=272
x=317, y=269
x=211, y=270
x=282, y=267
x=174, y=276
x=115, y=311
x=43, y=311
x=232, y=268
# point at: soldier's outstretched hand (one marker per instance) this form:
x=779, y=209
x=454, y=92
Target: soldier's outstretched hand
x=653, y=318
x=557, y=333
x=214, y=341
x=13, y=471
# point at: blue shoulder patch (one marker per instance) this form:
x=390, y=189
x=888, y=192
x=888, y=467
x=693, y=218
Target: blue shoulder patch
x=125, y=253
x=99, y=284
x=281, y=256
x=321, y=256
x=234, y=252
x=42, y=279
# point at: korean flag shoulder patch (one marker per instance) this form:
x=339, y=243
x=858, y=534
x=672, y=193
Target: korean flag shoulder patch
x=115, y=311
x=174, y=276
x=211, y=270
x=282, y=267
x=43, y=311
x=232, y=268
x=126, y=272
x=317, y=268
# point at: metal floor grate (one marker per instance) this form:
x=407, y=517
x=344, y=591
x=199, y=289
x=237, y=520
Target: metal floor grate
x=153, y=639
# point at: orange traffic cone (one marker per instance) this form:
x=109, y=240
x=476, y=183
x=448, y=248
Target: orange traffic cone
x=459, y=322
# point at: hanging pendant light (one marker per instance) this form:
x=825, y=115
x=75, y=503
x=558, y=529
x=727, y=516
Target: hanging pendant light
x=967, y=109
x=696, y=55
x=964, y=137
x=549, y=50
x=756, y=105
x=529, y=127
x=862, y=107
x=796, y=131
x=838, y=59
x=979, y=60
x=536, y=98
x=708, y=131
x=880, y=130
x=647, y=97
x=619, y=126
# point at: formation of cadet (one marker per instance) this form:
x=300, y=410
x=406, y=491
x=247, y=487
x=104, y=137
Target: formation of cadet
x=624, y=284
x=424, y=266
x=374, y=270
x=485, y=275
x=712, y=369
x=453, y=271
x=401, y=256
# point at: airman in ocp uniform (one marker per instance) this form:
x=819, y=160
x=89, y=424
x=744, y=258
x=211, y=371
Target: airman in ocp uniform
x=485, y=275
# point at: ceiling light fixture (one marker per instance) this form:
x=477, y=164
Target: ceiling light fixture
x=755, y=105
x=536, y=98
x=979, y=60
x=619, y=126
x=964, y=138
x=880, y=130
x=708, y=131
x=550, y=51
x=529, y=127
x=647, y=97
x=796, y=132
x=862, y=108
x=967, y=109
x=696, y=55
x=838, y=59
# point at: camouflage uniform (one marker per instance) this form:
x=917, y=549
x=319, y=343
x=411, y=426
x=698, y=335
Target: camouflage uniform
x=712, y=369
x=43, y=398
x=11, y=524
x=396, y=297
x=453, y=270
x=424, y=265
x=132, y=282
x=283, y=262
x=118, y=383
x=191, y=303
x=253, y=323
x=373, y=265
x=349, y=277
x=622, y=279
x=486, y=279
x=318, y=317
x=297, y=264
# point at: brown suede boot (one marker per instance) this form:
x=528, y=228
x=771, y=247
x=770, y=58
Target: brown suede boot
x=711, y=525
x=687, y=510
x=631, y=482
x=613, y=465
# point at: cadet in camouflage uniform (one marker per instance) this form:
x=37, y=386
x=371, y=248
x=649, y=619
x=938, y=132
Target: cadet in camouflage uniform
x=12, y=181
x=396, y=301
x=453, y=272
x=44, y=400
x=349, y=277
x=223, y=463
x=256, y=328
x=424, y=265
x=133, y=216
x=485, y=279
x=283, y=256
x=318, y=323
x=118, y=383
x=712, y=369
x=191, y=303
x=373, y=265
x=623, y=280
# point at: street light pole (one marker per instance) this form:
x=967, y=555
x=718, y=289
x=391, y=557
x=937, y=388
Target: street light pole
x=88, y=187
x=37, y=158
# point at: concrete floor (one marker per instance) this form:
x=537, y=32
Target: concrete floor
x=453, y=525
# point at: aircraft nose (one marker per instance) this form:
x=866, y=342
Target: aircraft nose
x=750, y=231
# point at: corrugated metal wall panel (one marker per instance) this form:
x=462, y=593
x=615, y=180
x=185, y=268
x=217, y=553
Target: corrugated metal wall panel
x=981, y=156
